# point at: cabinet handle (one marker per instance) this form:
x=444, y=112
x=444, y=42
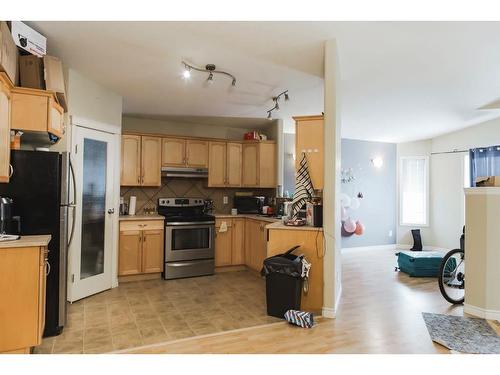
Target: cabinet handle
x=143, y=238
x=47, y=268
x=11, y=170
x=139, y=180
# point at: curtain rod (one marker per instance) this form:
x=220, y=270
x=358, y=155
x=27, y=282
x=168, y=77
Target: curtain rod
x=449, y=152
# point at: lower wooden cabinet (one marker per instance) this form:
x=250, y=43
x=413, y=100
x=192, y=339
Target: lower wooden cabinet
x=141, y=247
x=23, y=273
x=244, y=243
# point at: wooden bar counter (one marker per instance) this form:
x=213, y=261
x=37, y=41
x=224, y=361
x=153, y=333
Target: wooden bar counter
x=282, y=237
x=23, y=269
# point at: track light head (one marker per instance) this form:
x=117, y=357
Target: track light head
x=210, y=78
x=233, y=83
x=277, y=106
x=269, y=116
x=186, y=73
x=287, y=98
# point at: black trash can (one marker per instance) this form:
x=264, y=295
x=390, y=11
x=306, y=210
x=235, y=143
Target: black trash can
x=283, y=283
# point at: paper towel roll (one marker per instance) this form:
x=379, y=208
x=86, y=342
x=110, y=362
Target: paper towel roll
x=131, y=206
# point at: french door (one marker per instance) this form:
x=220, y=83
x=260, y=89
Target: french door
x=90, y=252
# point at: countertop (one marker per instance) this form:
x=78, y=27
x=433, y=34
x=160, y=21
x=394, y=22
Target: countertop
x=27, y=241
x=280, y=226
x=248, y=216
x=141, y=217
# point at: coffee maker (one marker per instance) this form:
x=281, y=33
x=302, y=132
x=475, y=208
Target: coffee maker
x=9, y=224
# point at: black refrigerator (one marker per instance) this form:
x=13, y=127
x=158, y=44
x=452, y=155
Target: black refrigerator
x=40, y=189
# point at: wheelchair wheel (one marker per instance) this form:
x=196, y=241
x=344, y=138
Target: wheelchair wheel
x=452, y=277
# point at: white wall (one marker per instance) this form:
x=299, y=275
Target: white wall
x=446, y=206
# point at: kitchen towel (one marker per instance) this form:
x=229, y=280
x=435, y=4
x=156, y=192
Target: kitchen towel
x=223, y=227
x=303, y=187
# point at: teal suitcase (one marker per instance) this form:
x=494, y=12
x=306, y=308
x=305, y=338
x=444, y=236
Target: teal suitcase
x=424, y=263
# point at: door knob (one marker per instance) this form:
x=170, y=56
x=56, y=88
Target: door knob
x=111, y=211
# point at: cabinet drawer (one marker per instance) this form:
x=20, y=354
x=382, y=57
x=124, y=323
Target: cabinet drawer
x=141, y=225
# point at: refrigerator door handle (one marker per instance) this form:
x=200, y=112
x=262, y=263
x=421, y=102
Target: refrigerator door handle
x=72, y=204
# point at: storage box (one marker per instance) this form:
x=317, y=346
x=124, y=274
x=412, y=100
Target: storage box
x=8, y=53
x=54, y=79
x=488, y=181
x=31, y=72
x=28, y=39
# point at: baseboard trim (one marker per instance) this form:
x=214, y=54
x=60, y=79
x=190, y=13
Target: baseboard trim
x=482, y=313
x=376, y=247
x=329, y=312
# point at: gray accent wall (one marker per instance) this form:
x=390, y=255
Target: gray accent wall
x=377, y=211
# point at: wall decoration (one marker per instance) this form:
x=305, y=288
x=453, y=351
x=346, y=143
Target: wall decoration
x=349, y=204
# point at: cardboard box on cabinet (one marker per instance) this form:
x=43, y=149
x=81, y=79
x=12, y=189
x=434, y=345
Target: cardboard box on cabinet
x=8, y=53
x=54, y=79
x=31, y=72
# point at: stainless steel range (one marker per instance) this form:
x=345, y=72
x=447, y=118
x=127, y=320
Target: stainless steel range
x=189, y=237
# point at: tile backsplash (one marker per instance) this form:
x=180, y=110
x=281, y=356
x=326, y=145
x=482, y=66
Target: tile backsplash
x=189, y=188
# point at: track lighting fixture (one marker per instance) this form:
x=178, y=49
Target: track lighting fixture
x=210, y=69
x=276, y=100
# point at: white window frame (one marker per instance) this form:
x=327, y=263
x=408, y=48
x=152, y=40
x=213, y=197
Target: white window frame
x=426, y=161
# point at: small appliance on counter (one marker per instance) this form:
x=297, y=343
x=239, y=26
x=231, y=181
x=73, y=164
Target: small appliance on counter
x=249, y=204
x=314, y=213
x=10, y=226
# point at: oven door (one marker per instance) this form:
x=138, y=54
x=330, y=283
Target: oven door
x=189, y=241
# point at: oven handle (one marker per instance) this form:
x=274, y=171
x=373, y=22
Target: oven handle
x=176, y=224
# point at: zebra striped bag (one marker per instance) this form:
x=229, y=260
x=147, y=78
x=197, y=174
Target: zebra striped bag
x=302, y=319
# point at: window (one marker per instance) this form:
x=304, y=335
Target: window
x=414, y=190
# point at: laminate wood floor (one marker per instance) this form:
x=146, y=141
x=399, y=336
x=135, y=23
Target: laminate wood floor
x=380, y=312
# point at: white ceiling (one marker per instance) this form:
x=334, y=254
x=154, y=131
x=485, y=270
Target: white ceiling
x=400, y=81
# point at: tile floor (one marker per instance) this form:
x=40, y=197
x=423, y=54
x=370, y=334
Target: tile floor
x=147, y=312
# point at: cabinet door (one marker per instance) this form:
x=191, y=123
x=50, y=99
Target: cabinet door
x=238, y=242
x=151, y=161
x=131, y=160
x=223, y=244
x=267, y=165
x=261, y=251
x=250, y=177
x=152, y=251
x=252, y=240
x=56, y=118
x=309, y=137
x=4, y=133
x=129, y=257
x=234, y=167
x=196, y=153
x=217, y=164
x=173, y=152
x=42, y=292
x=29, y=112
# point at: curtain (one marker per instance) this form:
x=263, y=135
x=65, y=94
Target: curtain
x=484, y=162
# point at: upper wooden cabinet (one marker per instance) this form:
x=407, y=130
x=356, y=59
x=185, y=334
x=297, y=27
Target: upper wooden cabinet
x=141, y=161
x=224, y=164
x=36, y=111
x=5, y=107
x=309, y=138
x=217, y=160
x=151, y=161
x=259, y=164
x=178, y=152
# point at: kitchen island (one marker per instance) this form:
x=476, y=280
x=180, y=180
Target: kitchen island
x=23, y=272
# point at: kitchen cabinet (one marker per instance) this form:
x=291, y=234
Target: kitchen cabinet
x=180, y=152
x=23, y=272
x=238, y=242
x=5, y=119
x=35, y=110
x=224, y=164
x=141, y=161
x=151, y=161
x=259, y=164
x=141, y=247
x=255, y=243
x=309, y=138
x=223, y=244
x=217, y=161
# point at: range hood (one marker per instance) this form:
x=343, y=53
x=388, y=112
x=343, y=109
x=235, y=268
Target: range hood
x=184, y=172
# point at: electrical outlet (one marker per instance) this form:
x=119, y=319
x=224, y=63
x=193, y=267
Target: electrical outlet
x=225, y=199
x=390, y=233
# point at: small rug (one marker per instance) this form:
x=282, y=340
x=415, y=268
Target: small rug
x=465, y=335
